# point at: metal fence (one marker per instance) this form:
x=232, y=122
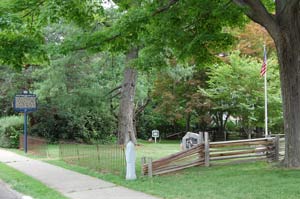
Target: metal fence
x=35, y=145
x=108, y=158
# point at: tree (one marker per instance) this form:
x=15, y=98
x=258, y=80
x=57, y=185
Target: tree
x=176, y=98
x=91, y=18
x=140, y=25
x=284, y=28
x=190, y=30
x=199, y=33
x=251, y=38
x=126, y=129
x=73, y=97
x=236, y=90
x=11, y=83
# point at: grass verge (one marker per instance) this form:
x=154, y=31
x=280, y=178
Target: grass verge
x=258, y=180
x=26, y=184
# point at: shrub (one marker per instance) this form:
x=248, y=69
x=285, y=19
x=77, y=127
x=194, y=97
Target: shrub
x=10, y=129
x=87, y=126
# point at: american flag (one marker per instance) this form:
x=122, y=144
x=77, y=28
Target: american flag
x=264, y=65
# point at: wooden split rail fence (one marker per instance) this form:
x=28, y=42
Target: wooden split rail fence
x=215, y=153
x=178, y=161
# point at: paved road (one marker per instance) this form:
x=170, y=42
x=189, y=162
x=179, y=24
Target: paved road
x=71, y=184
x=7, y=193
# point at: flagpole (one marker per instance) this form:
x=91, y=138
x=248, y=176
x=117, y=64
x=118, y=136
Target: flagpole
x=266, y=97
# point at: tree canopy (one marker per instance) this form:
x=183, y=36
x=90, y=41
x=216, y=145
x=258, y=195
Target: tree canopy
x=162, y=34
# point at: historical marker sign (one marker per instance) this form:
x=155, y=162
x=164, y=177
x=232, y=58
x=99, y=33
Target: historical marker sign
x=25, y=103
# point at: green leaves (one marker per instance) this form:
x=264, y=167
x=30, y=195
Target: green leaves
x=193, y=29
x=238, y=89
x=18, y=49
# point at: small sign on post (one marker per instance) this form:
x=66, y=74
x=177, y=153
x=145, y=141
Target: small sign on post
x=155, y=134
x=25, y=103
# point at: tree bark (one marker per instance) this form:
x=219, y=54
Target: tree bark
x=188, y=122
x=289, y=59
x=126, y=113
x=284, y=28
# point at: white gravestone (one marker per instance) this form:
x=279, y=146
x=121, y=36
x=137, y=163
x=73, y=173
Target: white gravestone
x=130, y=160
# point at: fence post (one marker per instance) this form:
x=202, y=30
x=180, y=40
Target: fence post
x=150, y=174
x=206, y=143
x=201, y=137
x=276, y=142
x=143, y=163
x=77, y=150
x=98, y=157
x=47, y=150
x=60, y=151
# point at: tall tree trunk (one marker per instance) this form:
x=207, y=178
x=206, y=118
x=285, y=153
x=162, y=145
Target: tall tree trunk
x=125, y=125
x=289, y=58
x=188, y=122
x=220, y=130
x=284, y=28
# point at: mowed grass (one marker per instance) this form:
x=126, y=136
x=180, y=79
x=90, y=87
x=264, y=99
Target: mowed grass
x=27, y=185
x=245, y=181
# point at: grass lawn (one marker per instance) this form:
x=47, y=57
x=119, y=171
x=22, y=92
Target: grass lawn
x=245, y=181
x=27, y=185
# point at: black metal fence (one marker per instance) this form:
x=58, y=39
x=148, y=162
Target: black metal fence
x=35, y=146
x=108, y=158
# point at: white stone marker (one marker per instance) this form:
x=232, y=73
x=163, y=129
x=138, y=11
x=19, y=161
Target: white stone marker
x=130, y=160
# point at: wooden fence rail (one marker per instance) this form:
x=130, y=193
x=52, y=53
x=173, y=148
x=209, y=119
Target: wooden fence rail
x=215, y=153
x=178, y=161
x=244, y=150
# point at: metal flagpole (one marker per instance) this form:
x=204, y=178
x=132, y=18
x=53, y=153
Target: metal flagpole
x=266, y=95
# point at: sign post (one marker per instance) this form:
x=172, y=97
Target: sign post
x=25, y=131
x=155, y=134
x=25, y=103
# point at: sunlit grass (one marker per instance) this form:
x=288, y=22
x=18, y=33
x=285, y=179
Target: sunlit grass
x=26, y=184
x=258, y=180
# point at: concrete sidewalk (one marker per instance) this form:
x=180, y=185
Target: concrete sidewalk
x=7, y=193
x=69, y=183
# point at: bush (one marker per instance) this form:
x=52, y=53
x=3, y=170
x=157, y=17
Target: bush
x=87, y=126
x=10, y=129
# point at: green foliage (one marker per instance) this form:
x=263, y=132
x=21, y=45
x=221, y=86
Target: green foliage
x=20, y=42
x=21, y=22
x=177, y=105
x=74, y=86
x=10, y=129
x=56, y=124
x=13, y=82
x=74, y=93
x=193, y=29
x=236, y=89
x=52, y=11
x=23, y=49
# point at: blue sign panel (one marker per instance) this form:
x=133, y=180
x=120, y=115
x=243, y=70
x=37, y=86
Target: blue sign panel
x=25, y=103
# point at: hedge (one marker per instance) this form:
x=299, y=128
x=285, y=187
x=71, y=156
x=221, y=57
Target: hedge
x=10, y=129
